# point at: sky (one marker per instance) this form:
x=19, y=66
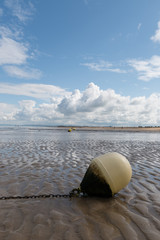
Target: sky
x=80, y=62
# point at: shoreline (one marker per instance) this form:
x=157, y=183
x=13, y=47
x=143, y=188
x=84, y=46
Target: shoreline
x=121, y=129
x=87, y=128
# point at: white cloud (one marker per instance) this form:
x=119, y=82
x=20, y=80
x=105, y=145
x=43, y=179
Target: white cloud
x=5, y=32
x=21, y=9
x=26, y=111
x=156, y=36
x=15, y=33
x=102, y=66
x=27, y=73
x=93, y=106
x=27, y=104
x=147, y=69
x=6, y=108
x=12, y=52
x=7, y=112
x=13, y=49
x=92, y=99
x=40, y=91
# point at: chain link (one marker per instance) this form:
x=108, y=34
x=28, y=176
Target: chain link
x=76, y=192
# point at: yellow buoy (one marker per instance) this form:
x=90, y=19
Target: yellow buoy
x=106, y=175
x=70, y=130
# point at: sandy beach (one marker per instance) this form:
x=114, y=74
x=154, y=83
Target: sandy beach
x=42, y=161
x=121, y=129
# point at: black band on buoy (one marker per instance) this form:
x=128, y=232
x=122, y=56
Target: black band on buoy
x=94, y=185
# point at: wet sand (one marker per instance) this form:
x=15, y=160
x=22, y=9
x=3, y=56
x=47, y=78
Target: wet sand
x=38, y=161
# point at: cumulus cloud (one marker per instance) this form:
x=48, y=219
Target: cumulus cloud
x=156, y=36
x=93, y=106
x=44, y=113
x=147, y=69
x=6, y=108
x=91, y=99
x=102, y=66
x=105, y=107
x=21, y=9
x=7, y=112
x=26, y=111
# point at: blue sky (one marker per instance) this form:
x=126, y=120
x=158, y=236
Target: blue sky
x=80, y=62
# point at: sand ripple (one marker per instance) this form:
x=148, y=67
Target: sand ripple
x=42, y=161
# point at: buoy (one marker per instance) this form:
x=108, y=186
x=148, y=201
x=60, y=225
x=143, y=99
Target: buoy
x=70, y=130
x=106, y=175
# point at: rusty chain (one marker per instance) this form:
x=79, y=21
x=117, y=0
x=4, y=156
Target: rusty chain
x=76, y=192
